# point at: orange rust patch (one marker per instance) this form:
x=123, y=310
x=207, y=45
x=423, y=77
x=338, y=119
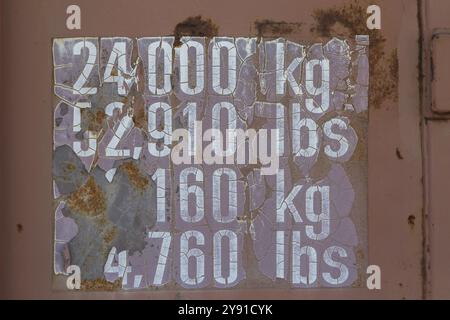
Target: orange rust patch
x=88, y=199
x=100, y=116
x=137, y=179
x=92, y=120
x=110, y=234
x=100, y=284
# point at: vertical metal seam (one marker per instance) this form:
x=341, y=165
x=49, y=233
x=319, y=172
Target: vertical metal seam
x=426, y=286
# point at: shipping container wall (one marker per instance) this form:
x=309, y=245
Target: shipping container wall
x=403, y=175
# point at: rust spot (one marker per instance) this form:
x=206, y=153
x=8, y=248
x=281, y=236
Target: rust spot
x=350, y=20
x=139, y=114
x=195, y=26
x=137, y=179
x=19, y=227
x=100, y=284
x=88, y=199
x=360, y=254
x=114, y=71
x=110, y=234
x=70, y=167
x=398, y=154
x=100, y=116
x=92, y=120
x=268, y=27
x=411, y=220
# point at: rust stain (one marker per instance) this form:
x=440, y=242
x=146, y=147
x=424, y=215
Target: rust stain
x=101, y=285
x=137, y=179
x=88, y=199
x=350, y=20
x=268, y=27
x=394, y=72
x=195, y=26
x=398, y=154
x=70, y=167
x=358, y=282
x=110, y=235
x=139, y=114
x=114, y=71
x=360, y=256
x=139, y=118
x=92, y=120
x=411, y=220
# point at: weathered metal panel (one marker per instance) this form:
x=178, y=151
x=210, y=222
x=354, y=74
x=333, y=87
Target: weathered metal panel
x=394, y=196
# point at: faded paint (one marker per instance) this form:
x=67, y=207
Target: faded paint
x=121, y=192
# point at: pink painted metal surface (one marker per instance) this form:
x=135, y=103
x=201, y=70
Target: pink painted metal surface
x=436, y=124
x=406, y=162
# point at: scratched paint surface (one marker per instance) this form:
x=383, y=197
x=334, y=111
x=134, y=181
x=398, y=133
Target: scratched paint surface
x=132, y=218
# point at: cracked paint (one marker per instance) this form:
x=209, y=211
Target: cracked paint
x=131, y=218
